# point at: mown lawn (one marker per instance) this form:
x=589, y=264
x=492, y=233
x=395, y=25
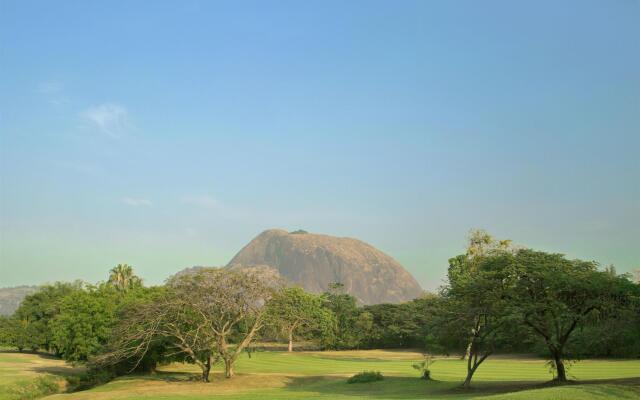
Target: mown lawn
x=322, y=375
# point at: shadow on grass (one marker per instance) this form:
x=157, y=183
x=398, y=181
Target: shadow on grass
x=409, y=387
x=164, y=376
x=40, y=354
x=61, y=371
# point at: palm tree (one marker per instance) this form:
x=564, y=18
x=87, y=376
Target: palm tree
x=123, y=278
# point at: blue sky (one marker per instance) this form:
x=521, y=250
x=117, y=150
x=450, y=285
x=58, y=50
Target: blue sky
x=168, y=134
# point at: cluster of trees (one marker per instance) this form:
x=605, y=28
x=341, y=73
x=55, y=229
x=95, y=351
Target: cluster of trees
x=498, y=298
x=70, y=320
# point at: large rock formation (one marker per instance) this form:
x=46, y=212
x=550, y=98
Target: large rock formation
x=315, y=261
x=11, y=297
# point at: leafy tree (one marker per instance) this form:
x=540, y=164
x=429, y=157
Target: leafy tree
x=555, y=297
x=14, y=332
x=123, y=278
x=607, y=335
x=84, y=323
x=363, y=327
x=394, y=326
x=231, y=305
x=404, y=325
x=474, y=298
x=38, y=309
x=345, y=309
x=159, y=325
x=295, y=311
x=475, y=305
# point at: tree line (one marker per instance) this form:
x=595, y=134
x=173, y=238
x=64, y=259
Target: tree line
x=498, y=298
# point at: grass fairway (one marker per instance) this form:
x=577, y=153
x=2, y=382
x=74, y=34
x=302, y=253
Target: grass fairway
x=321, y=375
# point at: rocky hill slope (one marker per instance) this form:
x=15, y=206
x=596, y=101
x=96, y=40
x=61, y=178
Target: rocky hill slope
x=314, y=261
x=11, y=297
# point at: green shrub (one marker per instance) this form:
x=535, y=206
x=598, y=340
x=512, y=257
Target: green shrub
x=39, y=387
x=366, y=376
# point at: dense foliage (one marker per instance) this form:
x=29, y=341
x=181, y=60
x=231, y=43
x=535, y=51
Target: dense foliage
x=293, y=312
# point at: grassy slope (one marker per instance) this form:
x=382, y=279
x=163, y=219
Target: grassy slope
x=272, y=375
x=21, y=368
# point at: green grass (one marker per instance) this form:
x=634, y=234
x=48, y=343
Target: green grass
x=278, y=375
x=450, y=369
x=23, y=375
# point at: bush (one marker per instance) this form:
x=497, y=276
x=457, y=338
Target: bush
x=366, y=376
x=39, y=387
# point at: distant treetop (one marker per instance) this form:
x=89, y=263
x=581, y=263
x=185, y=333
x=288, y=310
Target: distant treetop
x=299, y=232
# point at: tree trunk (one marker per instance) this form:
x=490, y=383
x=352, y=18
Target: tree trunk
x=473, y=363
x=467, y=381
x=470, y=370
x=228, y=368
x=206, y=370
x=290, y=340
x=562, y=374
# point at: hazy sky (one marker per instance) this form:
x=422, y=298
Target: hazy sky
x=168, y=134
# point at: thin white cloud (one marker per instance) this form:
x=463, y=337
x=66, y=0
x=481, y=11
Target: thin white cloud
x=110, y=118
x=130, y=201
x=204, y=201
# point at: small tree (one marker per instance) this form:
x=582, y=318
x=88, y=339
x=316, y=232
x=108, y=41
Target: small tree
x=294, y=311
x=424, y=366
